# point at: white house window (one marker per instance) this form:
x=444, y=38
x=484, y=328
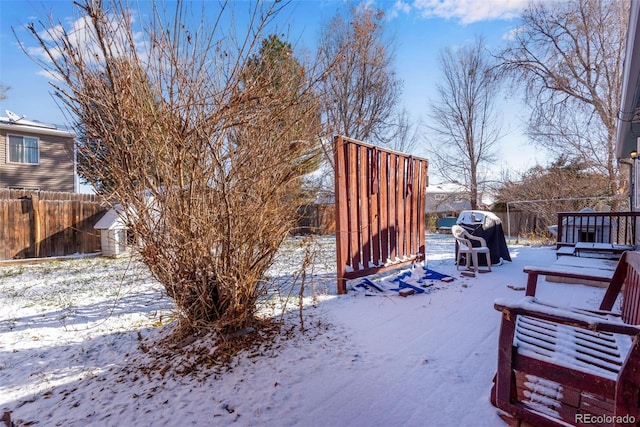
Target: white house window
x=23, y=149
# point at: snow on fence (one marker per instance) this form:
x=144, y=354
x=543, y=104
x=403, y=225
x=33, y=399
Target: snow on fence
x=380, y=209
x=37, y=224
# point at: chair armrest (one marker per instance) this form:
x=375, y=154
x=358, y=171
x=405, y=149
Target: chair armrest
x=464, y=243
x=585, y=273
x=594, y=321
x=482, y=241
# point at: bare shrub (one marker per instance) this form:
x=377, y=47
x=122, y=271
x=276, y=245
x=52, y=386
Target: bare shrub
x=202, y=136
x=565, y=185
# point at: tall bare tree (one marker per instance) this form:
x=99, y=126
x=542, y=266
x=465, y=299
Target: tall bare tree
x=463, y=121
x=361, y=91
x=203, y=137
x=569, y=55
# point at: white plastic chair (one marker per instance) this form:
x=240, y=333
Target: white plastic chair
x=466, y=248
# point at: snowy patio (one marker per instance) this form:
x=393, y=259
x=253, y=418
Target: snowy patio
x=71, y=332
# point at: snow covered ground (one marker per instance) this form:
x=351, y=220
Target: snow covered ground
x=77, y=348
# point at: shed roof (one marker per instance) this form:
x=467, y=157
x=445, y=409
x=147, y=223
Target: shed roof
x=111, y=220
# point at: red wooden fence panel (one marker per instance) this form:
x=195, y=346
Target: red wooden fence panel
x=380, y=209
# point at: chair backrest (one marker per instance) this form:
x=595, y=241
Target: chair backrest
x=458, y=232
x=625, y=279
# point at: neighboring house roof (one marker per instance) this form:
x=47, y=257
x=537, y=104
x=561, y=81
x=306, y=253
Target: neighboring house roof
x=447, y=187
x=629, y=117
x=447, y=206
x=13, y=122
x=447, y=197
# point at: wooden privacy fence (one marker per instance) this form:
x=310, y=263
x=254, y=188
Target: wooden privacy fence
x=380, y=209
x=44, y=224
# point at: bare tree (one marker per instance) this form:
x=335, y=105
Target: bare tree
x=564, y=185
x=360, y=91
x=203, y=137
x=464, y=123
x=569, y=55
x=404, y=134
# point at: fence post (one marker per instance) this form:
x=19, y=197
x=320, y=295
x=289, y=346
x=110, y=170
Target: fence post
x=35, y=207
x=341, y=217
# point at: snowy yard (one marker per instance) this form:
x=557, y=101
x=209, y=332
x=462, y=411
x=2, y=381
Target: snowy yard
x=76, y=348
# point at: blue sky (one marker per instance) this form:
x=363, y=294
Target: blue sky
x=420, y=29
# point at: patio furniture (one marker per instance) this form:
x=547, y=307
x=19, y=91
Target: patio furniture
x=465, y=247
x=488, y=226
x=600, y=250
x=561, y=366
x=596, y=274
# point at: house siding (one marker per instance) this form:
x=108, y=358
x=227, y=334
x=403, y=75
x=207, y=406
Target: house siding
x=55, y=172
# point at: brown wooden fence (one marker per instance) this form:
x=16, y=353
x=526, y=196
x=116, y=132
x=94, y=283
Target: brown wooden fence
x=380, y=209
x=37, y=224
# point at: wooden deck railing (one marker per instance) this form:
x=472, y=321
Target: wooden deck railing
x=618, y=228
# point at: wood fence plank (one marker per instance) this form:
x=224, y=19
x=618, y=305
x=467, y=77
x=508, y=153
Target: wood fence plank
x=341, y=215
x=374, y=217
x=418, y=199
x=3, y=221
x=58, y=237
x=409, y=203
x=391, y=216
x=52, y=229
x=46, y=229
x=23, y=220
x=383, y=191
x=424, y=177
x=6, y=231
x=79, y=222
x=75, y=223
x=400, y=207
x=43, y=210
x=14, y=230
x=352, y=191
x=364, y=230
x=67, y=230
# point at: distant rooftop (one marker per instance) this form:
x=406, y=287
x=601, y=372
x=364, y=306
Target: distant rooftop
x=447, y=187
x=14, y=121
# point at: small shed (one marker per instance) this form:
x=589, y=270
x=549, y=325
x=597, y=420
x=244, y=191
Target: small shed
x=113, y=233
